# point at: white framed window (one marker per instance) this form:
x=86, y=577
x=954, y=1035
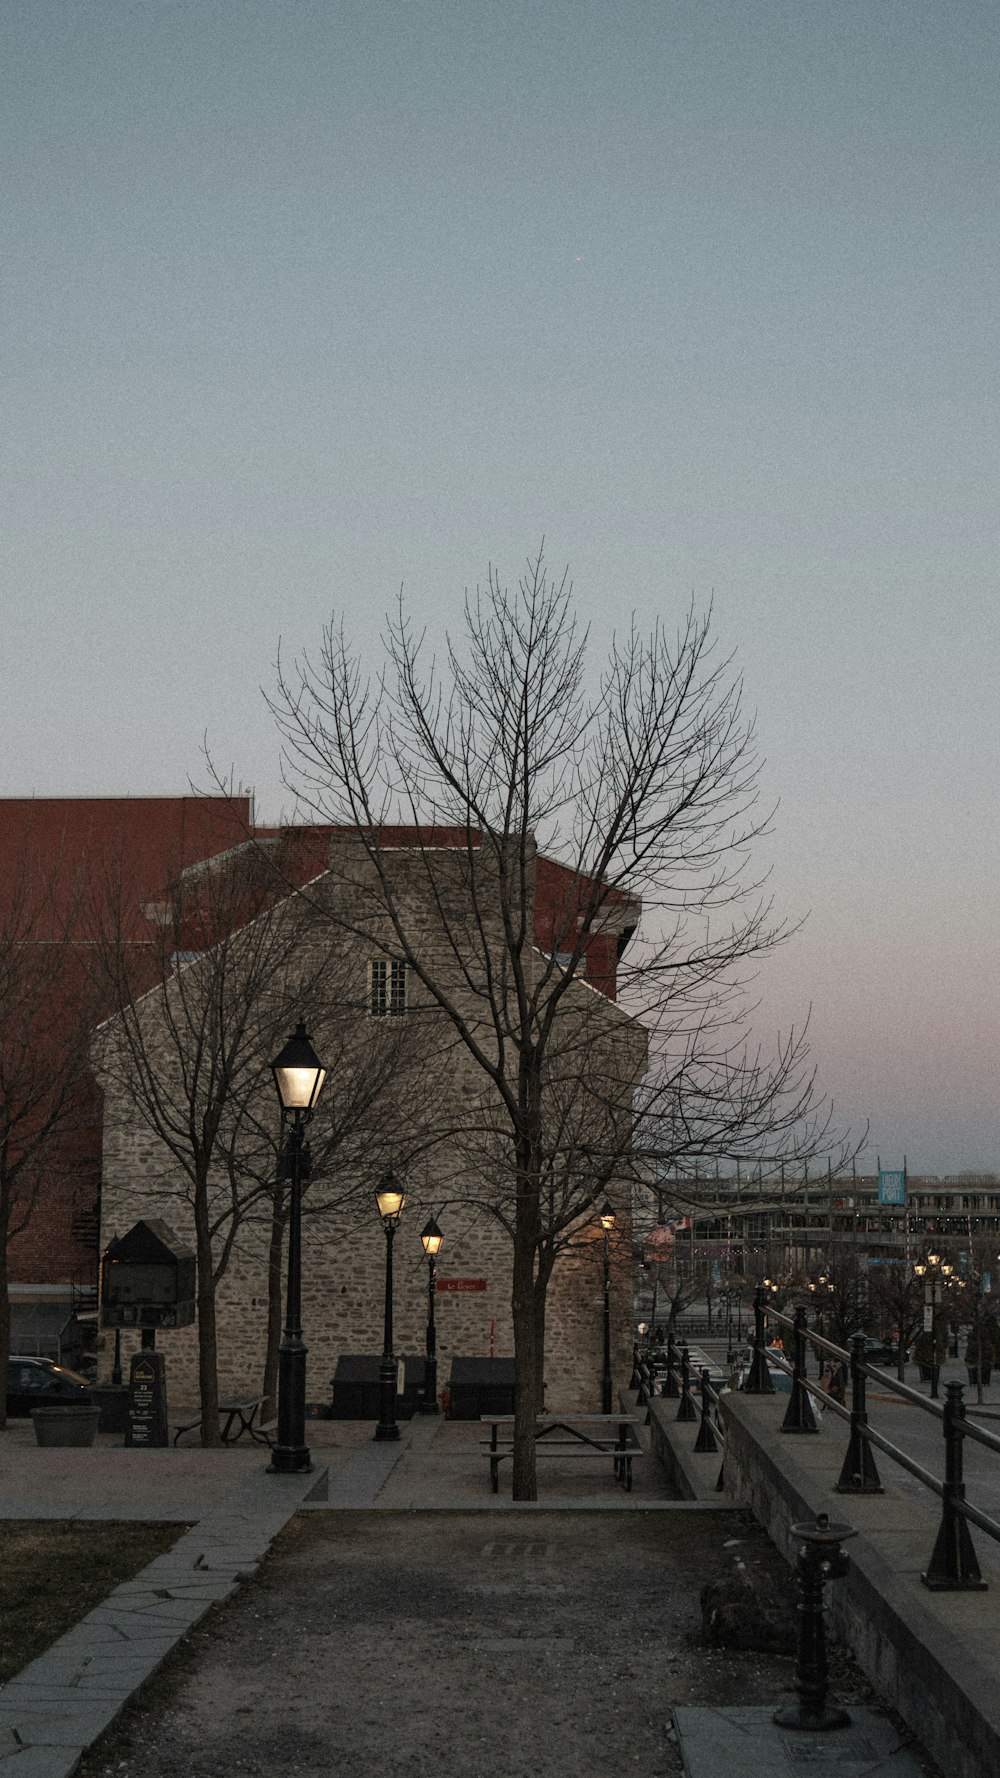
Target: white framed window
x=387, y=996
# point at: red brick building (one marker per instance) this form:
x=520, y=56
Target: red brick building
x=69, y=851
x=84, y=850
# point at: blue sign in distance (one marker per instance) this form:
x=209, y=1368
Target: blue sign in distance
x=892, y=1188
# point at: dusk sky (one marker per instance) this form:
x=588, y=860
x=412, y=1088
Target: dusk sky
x=303, y=301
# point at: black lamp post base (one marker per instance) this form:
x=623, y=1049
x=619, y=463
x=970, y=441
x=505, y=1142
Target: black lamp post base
x=289, y=1460
x=384, y=1431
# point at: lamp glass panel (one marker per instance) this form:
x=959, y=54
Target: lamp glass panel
x=299, y=1088
x=390, y=1197
x=432, y=1239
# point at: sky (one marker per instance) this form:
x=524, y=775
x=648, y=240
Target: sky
x=304, y=301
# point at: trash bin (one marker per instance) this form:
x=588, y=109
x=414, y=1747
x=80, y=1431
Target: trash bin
x=481, y=1386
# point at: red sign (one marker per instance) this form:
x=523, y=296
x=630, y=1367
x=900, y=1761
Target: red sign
x=462, y=1284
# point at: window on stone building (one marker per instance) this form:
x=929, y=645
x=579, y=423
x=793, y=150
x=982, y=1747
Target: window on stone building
x=388, y=988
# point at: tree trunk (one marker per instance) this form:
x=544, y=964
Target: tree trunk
x=208, y=1375
x=274, y=1304
x=543, y=1273
x=4, y=1307
x=526, y=1368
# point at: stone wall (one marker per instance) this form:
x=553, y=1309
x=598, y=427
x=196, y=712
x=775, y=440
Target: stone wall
x=344, y=1249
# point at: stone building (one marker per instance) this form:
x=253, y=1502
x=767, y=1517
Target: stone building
x=434, y=1122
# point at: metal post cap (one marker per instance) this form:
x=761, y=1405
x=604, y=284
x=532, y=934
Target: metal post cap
x=823, y=1531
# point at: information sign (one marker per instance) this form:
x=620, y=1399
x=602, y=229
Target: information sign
x=147, y=1400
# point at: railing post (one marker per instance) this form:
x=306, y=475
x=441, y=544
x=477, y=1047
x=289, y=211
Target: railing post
x=759, y=1380
x=953, y=1566
x=706, y=1435
x=641, y=1373
x=670, y=1389
x=686, y=1409
x=799, y=1416
x=859, y=1474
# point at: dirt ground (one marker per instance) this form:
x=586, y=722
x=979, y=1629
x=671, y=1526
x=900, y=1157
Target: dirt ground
x=460, y=1646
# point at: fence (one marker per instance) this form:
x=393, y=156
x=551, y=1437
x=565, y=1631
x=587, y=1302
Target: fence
x=953, y=1566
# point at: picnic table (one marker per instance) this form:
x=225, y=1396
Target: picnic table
x=240, y=1417
x=568, y=1436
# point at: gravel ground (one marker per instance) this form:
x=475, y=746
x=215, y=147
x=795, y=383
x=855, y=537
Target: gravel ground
x=461, y=1645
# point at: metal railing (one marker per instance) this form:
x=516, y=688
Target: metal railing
x=674, y=1381
x=953, y=1565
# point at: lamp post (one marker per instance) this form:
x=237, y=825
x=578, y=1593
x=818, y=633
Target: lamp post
x=932, y=1268
x=607, y=1221
x=431, y=1238
x=298, y=1076
x=821, y=1289
x=390, y=1197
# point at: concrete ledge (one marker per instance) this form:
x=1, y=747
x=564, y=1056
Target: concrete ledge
x=934, y=1657
x=694, y=1474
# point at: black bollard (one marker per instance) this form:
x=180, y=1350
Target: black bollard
x=799, y=1416
x=759, y=1380
x=859, y=1473
x=686, y=1409
x=820, y=1558
x=706, y=1432
x=953, y=1567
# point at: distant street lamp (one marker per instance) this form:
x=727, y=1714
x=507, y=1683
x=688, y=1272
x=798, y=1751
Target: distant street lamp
x=935, y=1266
x=390, y=1197
x=607, y=1221
x=431, y=1237
x=298, y=1076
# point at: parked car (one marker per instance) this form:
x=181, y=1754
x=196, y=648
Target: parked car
x=39, y=1382
x=881, y=1352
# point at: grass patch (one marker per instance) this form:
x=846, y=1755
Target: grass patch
x=52, y=1572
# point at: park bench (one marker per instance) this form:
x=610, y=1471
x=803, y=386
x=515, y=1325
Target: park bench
x=241, y=1415
x=568, y=1436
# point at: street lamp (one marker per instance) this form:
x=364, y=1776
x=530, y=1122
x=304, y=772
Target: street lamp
x=607, y=1222
x=298, y=1076
x=930, y=1270
x=390, y=1197
x=431, y=1238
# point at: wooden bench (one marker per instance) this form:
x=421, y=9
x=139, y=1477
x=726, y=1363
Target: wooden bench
x=568, y=1436
x=242, y=1415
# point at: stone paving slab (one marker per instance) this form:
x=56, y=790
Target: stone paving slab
x=746, y=1743
x=43, y=1762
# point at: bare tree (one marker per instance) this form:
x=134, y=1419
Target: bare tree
x=45, y=1014
x=202, y=982
x=898, y=1299
x=638, y=778
x=206, y=982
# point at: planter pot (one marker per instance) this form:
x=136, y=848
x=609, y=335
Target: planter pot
x=65, y=1426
